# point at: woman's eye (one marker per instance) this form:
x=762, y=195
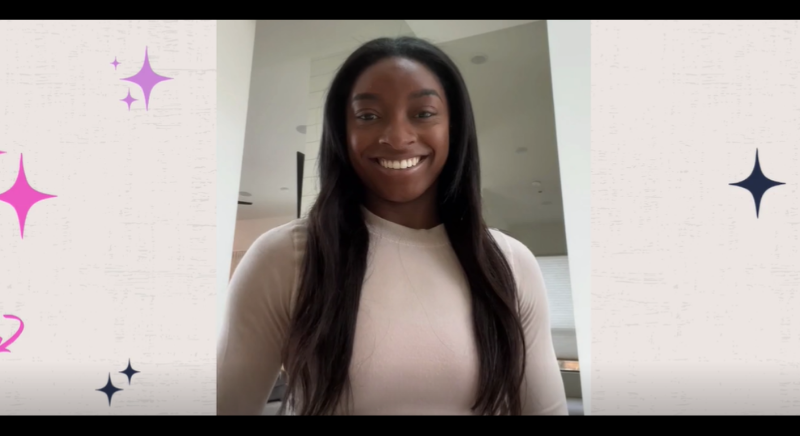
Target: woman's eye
x=425, y=115
x=367, y=117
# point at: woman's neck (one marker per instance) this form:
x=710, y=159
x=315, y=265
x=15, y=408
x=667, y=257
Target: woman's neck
x=422, y=213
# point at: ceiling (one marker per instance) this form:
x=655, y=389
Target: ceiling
x=440, y=31
x=511, y=94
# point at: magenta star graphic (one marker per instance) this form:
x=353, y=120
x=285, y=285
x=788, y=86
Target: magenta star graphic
x=22, y=197
x=115, y=63
x=129, y=99
x=146, y=78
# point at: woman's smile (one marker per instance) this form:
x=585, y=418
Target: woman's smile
x=400, y=167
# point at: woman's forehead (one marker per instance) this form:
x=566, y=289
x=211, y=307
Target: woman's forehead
x=396, y=74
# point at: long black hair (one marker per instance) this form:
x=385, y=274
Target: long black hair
x=320, y=344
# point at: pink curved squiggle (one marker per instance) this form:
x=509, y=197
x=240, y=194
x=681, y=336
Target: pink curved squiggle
x=13, y=338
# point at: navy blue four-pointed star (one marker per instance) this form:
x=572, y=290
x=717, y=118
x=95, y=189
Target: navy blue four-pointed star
x=757, y=184
x=109, y=389
x=129, y=371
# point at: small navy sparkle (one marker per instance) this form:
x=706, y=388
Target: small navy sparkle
x=129, y=371
x=109, y=389
x=757, y=184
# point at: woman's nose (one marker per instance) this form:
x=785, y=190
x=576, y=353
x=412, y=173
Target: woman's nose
x=399, y=134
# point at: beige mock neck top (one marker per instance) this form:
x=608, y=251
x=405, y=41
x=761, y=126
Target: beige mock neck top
x=414, y=352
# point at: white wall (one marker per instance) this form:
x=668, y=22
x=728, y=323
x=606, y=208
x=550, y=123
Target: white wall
x=278, y=94
x=235, y=41
x=322, y=72
x=542, y=239
x=570, y=62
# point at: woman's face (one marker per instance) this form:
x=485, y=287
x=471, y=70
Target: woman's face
x=398, y=129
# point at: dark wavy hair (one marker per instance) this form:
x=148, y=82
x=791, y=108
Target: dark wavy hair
x=320, y=341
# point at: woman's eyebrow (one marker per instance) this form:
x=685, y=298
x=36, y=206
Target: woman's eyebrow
x=418, y=94
x=365, y=96
x=425, y=93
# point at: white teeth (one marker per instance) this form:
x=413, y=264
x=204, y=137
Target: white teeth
x=400, y=164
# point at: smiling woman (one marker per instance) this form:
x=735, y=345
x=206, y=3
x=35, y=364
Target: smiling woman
x=398, y=137
x=392, y=296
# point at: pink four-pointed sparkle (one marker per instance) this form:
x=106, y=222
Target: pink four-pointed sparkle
x=146, y=78
x=22, y=197
x=115, y=63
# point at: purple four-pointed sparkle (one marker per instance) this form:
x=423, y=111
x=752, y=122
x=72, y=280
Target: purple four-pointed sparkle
x=146, y=78
x=22, y=197
x=129, y=99
x=115, y=63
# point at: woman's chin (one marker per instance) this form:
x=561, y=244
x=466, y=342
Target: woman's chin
x=401, y=196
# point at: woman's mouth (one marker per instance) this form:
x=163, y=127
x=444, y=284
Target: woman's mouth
x=402, y=164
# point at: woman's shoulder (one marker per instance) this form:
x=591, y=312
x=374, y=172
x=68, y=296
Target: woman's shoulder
x=514, y=250
x=282, y=240
x=267, y=275
x=520, y=258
